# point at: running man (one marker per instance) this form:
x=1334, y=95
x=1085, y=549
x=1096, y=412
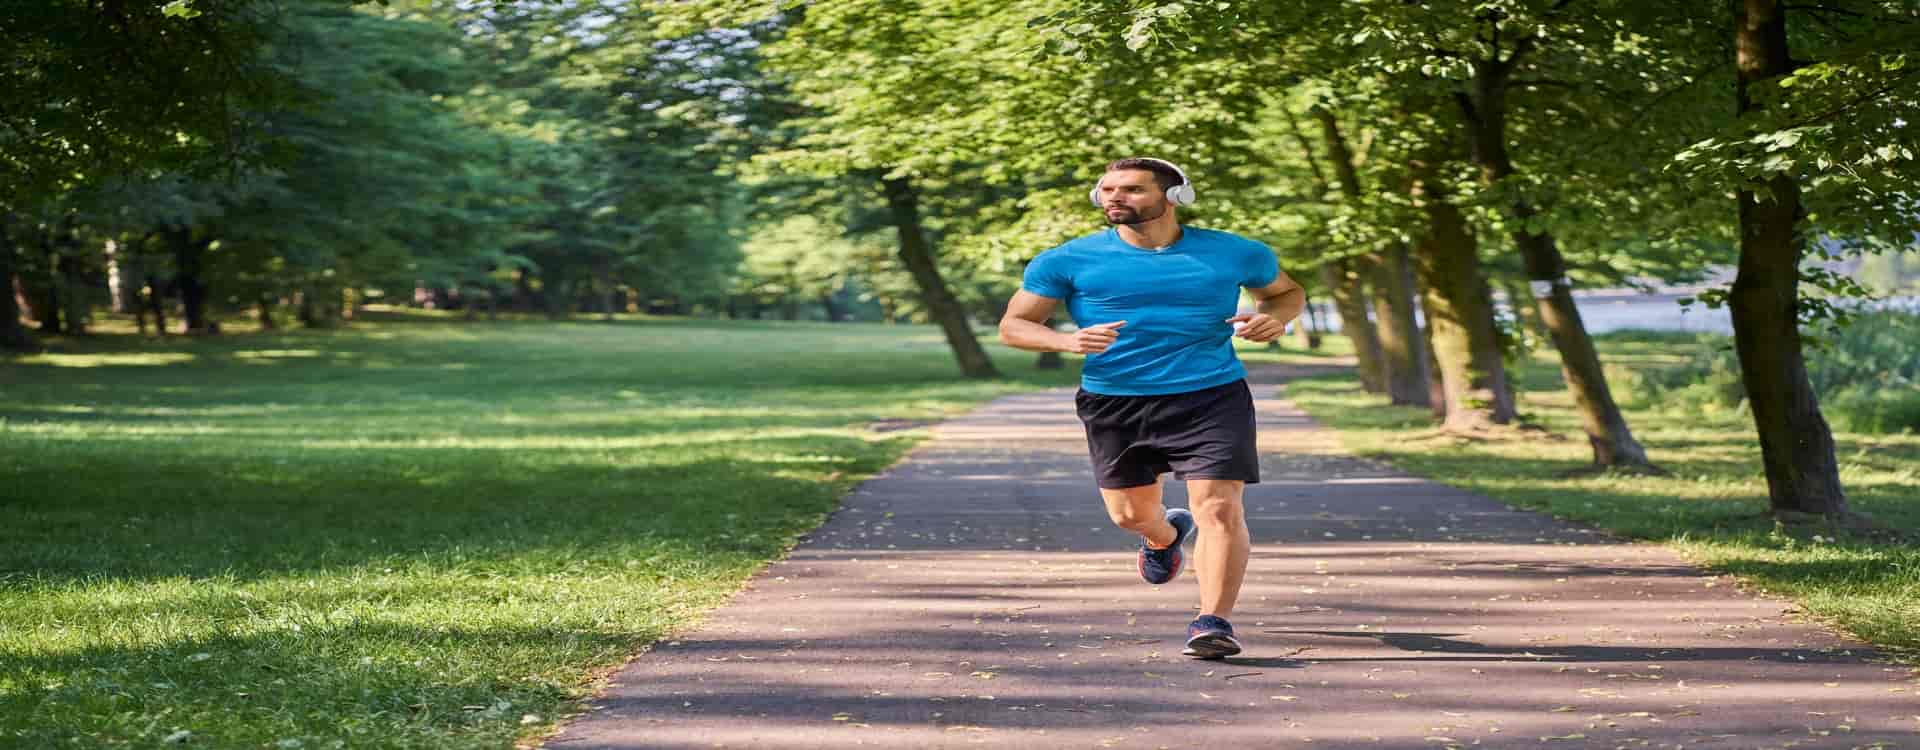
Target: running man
x=1161, y=390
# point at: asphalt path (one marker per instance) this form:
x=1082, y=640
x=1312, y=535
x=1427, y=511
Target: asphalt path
x=975, y=594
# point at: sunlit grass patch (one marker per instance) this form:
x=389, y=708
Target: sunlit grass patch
x=113, y=359
x=427, y=533
x=1710, y=506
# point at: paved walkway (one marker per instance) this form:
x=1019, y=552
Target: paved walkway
x=975, y=595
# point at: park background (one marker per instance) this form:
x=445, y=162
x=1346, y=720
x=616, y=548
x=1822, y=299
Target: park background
x=382, y=374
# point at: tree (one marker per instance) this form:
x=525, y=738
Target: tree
x=1821, y=145
x=1402, y=348
x=97, y=88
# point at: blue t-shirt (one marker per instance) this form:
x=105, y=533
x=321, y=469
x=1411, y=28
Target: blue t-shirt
x=1176, y=302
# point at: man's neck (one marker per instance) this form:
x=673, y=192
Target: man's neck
x=1158, y=234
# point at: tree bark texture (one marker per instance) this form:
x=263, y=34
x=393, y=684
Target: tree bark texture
x=1350, y=300
x=1796, y=445
x=1485, y=110
x=941, y=305
x=1402, y=347
x=1436, y=386
x=1466, y=346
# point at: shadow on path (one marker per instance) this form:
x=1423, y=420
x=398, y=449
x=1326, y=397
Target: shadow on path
x=976, y=594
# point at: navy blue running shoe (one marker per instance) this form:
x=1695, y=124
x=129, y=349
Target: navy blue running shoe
x=1162, y=565
x=1211, y=637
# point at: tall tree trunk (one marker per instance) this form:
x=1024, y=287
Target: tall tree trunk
x=157, y=302
x=309, y=312
x=45, y=294
x=1485, y=110
x=76, y=299
x=1796, y=446
x=523, y=294
x=13, y=336
x=264, y=303
x=70, y=298
x=831, y=306
x=1459, y=308
x=608, y=286
x=1436, y=382
x=121, y=271
x=1307, y=328
x=1384, y=351
x=189, y=255
x=1402, y=346
x=940, y=303
x=1350, y=301
x=558, y=295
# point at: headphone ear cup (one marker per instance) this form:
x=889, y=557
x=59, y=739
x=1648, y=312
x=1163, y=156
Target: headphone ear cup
x=1094, y=195
x=1180, y=195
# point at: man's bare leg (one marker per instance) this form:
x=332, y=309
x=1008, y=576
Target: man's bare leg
x=1221, y=548
x=1139, y=510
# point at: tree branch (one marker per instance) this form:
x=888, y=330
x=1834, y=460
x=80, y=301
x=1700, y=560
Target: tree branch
x=1466, y=107
x=1307, y=148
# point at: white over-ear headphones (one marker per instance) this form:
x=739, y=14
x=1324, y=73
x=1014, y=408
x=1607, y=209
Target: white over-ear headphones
x=1179, y=195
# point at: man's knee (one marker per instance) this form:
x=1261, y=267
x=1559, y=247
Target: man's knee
x=1132, y=517
x=1218, y=510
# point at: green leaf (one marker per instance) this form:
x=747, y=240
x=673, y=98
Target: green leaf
x=179, y=9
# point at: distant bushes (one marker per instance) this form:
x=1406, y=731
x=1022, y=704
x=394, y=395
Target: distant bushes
x=1867, y=375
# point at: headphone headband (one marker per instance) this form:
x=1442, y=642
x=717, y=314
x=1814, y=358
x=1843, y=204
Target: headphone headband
x=1179, y=195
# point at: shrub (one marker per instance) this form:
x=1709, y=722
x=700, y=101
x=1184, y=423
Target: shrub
x=1880, y=348
x=1867, y=375
x=1872, y=410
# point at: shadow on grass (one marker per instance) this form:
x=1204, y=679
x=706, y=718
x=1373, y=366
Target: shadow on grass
x=347, y=507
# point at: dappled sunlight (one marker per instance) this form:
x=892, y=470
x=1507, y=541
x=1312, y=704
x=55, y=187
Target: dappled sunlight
x=280, y=354
x=119, y=359
x=1712, y=506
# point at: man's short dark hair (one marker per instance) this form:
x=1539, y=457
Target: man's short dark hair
x=1163, y=175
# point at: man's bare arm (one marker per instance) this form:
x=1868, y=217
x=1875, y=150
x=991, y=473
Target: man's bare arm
x=1278, y=304
x=1025, y=327
x=1283, y=300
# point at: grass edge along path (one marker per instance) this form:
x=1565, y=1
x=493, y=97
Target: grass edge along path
x=414, y=534
x=1709, y=510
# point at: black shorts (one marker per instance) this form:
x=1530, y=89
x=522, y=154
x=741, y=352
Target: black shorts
x=1204, y=434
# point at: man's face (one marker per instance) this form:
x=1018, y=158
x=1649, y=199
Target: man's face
x=1130, y=196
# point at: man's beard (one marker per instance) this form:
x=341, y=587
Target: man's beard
x=1130, y=215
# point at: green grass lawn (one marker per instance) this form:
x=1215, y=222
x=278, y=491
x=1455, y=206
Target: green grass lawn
x=1710, y=508
x=412, y=534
